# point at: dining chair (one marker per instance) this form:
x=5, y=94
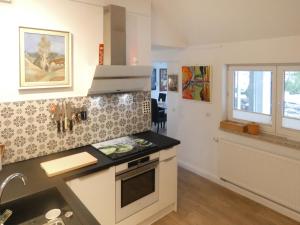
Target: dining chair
x=162, y=97
x=159, y=118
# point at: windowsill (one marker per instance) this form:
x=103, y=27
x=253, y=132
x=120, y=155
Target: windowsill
x=273, y=139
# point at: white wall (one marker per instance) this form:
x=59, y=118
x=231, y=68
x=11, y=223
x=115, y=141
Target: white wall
x=196, y=22
x=172, y=102
x=162, y=34
x=84, y=22
x=196, y=124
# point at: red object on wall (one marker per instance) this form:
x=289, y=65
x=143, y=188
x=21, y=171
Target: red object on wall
x=101, y=54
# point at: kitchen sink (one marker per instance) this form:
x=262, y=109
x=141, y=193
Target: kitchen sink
x=31, y=210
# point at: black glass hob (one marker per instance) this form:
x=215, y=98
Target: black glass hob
x=124, y=146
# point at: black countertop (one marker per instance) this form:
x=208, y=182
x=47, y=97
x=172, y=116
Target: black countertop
x=38, y=180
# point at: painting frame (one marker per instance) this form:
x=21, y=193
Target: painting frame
x=197, y=83
x=61, y=68
x=173, y=82
x=163, y=79
x=153, y=80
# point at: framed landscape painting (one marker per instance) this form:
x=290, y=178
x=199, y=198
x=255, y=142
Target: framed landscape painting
x=163, y=80
x=45, y=58
x=196, y=83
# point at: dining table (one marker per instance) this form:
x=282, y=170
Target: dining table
x=162, y=105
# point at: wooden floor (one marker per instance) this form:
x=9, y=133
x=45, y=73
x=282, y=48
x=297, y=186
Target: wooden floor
x=201, y=202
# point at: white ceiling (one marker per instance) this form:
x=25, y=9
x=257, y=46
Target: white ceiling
x=217, y=21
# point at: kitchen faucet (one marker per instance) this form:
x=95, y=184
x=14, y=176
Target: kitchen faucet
x=9, y=178
x=7, y=213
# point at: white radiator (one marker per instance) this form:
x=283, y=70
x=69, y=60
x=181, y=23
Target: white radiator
x=274, y=177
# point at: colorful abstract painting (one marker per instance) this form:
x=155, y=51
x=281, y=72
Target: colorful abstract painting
x=196, y=83
x=44, y=58
x=163, y=80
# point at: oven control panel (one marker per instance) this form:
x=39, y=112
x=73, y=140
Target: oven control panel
x=137, y=162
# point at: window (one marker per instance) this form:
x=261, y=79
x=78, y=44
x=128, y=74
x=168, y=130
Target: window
x=289, y=99
x=250, y=95
x=254, y=91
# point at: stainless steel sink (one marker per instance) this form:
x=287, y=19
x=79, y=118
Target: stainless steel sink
x=31, y=210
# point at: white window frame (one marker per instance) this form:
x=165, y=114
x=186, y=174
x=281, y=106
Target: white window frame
x=230, y=94
x=280, y=130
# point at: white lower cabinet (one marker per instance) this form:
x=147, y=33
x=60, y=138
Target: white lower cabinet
x=168, y=182
x=97, y=192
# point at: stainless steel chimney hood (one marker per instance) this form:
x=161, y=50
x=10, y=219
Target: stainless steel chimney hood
x=115, y=75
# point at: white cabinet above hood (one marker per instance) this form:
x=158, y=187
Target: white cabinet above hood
x=120, y=78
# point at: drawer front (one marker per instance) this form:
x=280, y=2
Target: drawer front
x=167, y=153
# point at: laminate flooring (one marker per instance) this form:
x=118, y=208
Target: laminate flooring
x=202, y=202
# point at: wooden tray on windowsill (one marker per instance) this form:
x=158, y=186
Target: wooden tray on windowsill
x=233, y=126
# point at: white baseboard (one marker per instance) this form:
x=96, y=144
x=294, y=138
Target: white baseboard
x=214, y=178
x=268, y=203
x=199, y=172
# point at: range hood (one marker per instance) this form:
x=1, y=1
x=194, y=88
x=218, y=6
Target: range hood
x=115, y=75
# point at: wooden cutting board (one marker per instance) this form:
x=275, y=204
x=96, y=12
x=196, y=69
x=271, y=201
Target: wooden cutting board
x=68, y=163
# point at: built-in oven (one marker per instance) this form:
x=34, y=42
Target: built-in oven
x=136, y=185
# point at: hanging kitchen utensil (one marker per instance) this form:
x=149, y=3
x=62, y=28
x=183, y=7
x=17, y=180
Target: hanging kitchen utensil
x=62, y=118
x=57, y=118
x=69, y=115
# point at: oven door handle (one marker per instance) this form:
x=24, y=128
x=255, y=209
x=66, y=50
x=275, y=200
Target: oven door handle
x=140, y=170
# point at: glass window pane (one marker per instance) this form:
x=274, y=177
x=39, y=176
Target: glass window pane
x=291, y=100
x=291, y=104
x=253, y=91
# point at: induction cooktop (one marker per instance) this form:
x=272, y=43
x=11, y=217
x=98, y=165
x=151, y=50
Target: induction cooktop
x=124, y=146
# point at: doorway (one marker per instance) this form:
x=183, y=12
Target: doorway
x=159, y=91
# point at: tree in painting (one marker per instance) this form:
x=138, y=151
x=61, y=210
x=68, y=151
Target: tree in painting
x=44, y=48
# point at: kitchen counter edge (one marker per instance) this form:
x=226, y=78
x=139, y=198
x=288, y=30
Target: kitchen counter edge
x=38, y=180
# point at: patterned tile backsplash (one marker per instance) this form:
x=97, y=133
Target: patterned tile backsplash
x=27, y=130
